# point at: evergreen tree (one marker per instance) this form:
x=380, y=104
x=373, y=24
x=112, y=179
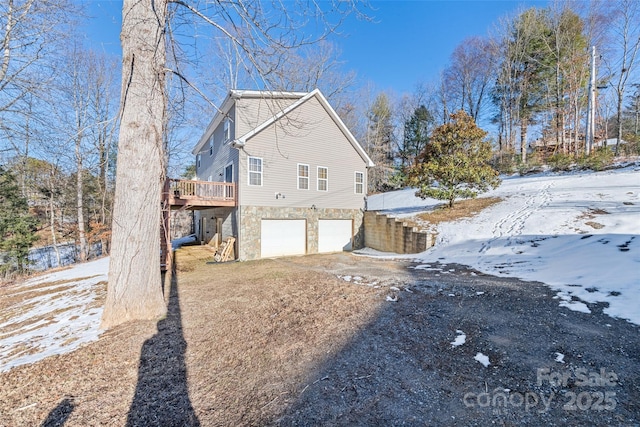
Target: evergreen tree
x=521, y=87
x=631, y=116
x=416, y=135
x=455, y=163
x=17, y=226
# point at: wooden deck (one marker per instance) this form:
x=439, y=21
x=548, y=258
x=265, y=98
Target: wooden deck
x=188, y=194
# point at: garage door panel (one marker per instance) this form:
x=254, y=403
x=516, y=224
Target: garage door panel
x=334, y=235
x=283, y=237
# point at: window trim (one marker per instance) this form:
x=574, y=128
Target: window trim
x=325, y=180
x=303, y=177
x=226, y=129
x=211, y=142
x=198, y=161
x=224, y=172
x=356, y=183
x=249, y=171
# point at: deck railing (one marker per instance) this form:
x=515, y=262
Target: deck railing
x=202, y=190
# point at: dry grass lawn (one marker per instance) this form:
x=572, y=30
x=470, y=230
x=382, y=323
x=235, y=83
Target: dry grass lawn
x=466, y=208
x=241, y=341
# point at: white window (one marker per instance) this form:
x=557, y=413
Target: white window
x=255, y=171
x=198, y=162
x=303, y=177
x=323, y=178
x=359, y=183
x=227, y=129
x=211, y=145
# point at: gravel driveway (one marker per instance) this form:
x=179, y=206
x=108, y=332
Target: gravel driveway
x=547, y=365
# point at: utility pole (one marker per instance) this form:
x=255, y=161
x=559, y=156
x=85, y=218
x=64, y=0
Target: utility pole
x=591, y=127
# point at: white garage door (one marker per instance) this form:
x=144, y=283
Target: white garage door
x=280, y=237
x=334, y=235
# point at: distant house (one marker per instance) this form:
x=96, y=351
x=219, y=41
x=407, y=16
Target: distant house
x=547, y=143
x=611, y=143
x=290, y=173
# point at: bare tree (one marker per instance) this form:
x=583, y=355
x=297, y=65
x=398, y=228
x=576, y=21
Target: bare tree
x=79, y=105
x=259, y=31
x=31, y=31
x=379, y=143
x=605, y=110
x=471, y=73
x=103, y=103
x=626, y=31
x=86, y=120
x=312, y=67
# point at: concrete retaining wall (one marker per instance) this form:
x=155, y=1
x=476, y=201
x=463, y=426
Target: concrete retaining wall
x=388, y=234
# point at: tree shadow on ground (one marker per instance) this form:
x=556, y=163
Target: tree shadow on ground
x=59, y=415
x=403, y=369
x=162, y=393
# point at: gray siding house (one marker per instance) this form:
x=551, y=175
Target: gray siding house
x=300, y=175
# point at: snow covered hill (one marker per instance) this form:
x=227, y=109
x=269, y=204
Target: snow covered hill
x=579, y=233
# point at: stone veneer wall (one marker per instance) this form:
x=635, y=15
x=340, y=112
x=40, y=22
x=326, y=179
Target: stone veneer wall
x=251, y=216
x=390, y=234
x=181, y=224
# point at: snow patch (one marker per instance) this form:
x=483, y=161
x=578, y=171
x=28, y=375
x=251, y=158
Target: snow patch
x=460, y=339
x=482, y=359
x=58, y=314
x=177, y=243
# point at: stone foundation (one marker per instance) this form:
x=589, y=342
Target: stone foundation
x=251, y=216
x=181, y=224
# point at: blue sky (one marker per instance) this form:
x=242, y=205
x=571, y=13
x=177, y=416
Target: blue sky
x=409, y=42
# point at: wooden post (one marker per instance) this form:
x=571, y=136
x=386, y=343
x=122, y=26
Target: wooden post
x=165, y=230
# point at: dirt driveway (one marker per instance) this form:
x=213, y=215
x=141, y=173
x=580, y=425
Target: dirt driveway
x=341, y=340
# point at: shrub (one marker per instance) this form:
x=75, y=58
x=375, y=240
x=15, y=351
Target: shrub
x=598, y=159
x=455, y=163
x=561, y=162
x=534, y=164
x=505, y=162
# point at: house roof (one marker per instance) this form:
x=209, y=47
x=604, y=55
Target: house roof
x=609, y=142
x=302, y=98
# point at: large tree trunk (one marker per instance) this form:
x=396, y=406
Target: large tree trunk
x=134, y=290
